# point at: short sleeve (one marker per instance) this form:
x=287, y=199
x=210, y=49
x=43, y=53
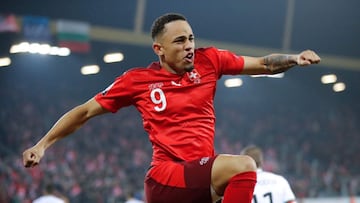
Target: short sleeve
x=288, y=193
x=225, y=62
x=117, y=95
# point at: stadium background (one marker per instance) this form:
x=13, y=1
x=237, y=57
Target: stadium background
x=309, y=132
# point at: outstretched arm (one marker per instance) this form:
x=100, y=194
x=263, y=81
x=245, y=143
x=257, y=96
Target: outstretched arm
x=278, y=63
x=66, y=125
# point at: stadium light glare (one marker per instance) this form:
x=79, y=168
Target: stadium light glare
x=34, y=48
x=339, y=87
x=327, y=79
x=113, y=57
x=5, y=61
x=233, y=82
x=90, y=69
x=44, y=49
x=54, y=51
x=63, y=51
x=15, y=49
x=20, y=48
x=37, y=48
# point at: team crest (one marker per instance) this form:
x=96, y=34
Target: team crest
x=194, y=76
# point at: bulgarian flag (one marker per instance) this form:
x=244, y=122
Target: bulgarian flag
x=73, y=35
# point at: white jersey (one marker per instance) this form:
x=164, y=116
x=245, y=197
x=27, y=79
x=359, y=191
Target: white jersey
x=133, y=200
x=48, y=199
x=271, y=188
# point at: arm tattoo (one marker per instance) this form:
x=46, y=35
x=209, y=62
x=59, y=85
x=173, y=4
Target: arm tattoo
x=278, y=63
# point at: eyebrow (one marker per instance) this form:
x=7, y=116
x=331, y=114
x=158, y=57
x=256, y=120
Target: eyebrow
x=182, y=38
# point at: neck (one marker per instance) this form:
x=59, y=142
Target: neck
x=172, y=70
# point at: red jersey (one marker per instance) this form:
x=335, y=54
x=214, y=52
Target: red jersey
x=177, y=110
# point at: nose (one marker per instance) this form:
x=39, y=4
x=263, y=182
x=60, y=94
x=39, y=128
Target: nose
x=189, y=45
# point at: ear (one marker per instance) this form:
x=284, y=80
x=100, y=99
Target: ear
x=157, y=48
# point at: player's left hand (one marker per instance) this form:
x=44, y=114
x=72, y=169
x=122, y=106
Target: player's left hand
x=308, y=57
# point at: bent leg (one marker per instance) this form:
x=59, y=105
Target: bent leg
x=234, y=176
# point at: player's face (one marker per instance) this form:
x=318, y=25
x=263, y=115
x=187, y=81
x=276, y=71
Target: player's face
x=176, y=47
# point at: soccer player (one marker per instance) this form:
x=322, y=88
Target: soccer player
x=50, y=195
x=270, y=187
x=175, y=98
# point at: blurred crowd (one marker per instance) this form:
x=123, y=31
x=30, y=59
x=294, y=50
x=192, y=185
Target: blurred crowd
x=316, y=149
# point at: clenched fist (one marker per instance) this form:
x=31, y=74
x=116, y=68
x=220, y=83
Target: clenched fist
x=32, y=156
x=307, y=57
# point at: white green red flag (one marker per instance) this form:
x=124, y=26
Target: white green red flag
x=74, y=35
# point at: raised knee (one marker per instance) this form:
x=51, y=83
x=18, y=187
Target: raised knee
x=249, y=163
x=242, y=163
x=227, y=166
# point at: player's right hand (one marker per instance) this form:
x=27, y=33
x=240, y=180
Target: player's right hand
x=32, y=156
x=308, y=57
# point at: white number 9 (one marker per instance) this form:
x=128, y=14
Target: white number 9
x=158, y=97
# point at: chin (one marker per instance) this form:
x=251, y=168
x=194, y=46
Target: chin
x=189, y=69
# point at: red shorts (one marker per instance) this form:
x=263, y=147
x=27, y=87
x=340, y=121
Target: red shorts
x=180, y=182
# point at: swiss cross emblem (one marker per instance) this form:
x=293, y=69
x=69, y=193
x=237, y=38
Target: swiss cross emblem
x=194, y=76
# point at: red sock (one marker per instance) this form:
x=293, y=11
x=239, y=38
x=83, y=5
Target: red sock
x=240, y=188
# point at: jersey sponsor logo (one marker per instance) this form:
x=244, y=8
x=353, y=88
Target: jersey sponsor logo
x=156, y=85
x=194, y=76
x=204, y=160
